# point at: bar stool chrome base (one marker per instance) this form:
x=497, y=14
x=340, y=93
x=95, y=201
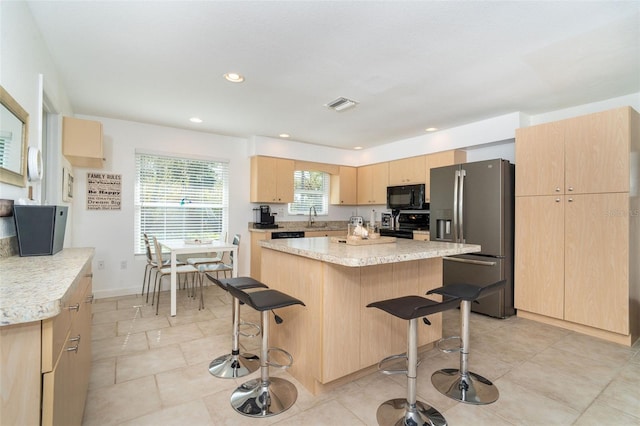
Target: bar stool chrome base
x=231, y=366
x=257, y=398
x=395, y=412
x=470, y=388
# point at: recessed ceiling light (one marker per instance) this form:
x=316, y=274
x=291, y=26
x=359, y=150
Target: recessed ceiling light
x=357, y=147
x=234, y=77
x=195, y=120
x=284, y=135
x=431, y=129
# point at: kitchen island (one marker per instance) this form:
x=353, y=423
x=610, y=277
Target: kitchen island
x=335, y=338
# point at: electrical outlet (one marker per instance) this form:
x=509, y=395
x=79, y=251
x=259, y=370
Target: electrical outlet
x=123, y=264
x=100, y=264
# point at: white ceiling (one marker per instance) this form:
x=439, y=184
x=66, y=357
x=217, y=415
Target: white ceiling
x=409, y=64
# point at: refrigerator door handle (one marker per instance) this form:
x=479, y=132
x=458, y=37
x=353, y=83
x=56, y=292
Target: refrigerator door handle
x=463, y=174
x=470, y=261
x=456, y=180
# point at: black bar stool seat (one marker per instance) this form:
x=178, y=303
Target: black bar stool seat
x=266, y=396
x=235, y=364
x=460, y=383
x=409, y=411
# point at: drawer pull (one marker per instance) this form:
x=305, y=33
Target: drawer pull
x=89, y=275
x=75, y=339
x=75, y=307
x=89, y=299
x=73, y=349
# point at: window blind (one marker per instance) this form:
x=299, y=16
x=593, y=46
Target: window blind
x=310, y=188
x=180, y=198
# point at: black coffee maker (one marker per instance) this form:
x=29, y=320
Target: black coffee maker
x=264, y=219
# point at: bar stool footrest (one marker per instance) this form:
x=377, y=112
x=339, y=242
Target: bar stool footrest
x=275, y=364
x=389, y=359
x=439, y=345
x=249, y=325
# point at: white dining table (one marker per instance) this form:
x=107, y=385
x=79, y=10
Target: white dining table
x=177, y=247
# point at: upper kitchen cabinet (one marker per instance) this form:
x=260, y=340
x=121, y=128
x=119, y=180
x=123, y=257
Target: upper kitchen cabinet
x=441, y=159
x=407, y=171
x=344, y=186
x=571, y=156
x=82, y=142
x=271, y=180
x=372, y=184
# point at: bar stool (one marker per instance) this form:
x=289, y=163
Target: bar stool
x=461, y=384
x=266, y=396
x=409, y=411
x=235, y=364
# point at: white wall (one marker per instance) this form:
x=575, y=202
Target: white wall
x=112, y=232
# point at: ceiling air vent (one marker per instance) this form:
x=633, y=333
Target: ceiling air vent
x=341, y=104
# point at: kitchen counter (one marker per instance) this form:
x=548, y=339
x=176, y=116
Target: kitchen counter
x=335, y=337
x=32, y=288
x=402, y=250
x=302, y=226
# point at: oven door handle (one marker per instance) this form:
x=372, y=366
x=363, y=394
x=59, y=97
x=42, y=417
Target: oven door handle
x=470, y=261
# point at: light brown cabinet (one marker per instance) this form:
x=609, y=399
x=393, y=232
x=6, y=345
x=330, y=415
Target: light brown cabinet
x=441, y=159
x=408, y=171
x=421, y=237
x=577, y=224
x=64, y=386
x=82, y=142
x=372, y=184
x=271, y=180
x=344, y=186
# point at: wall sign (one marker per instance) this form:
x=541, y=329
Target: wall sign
x=104, y=191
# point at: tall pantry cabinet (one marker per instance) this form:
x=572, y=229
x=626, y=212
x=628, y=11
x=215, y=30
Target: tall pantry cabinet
x=578, y=224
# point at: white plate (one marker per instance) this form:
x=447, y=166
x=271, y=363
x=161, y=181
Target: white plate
x=198, y=241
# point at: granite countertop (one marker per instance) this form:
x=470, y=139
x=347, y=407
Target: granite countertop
x=302, y=226
x=31, y=288
x=403, y=250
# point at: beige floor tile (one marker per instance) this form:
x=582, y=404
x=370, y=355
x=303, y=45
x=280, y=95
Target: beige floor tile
x=191, y=316
x=172, y=335
x=103, y=331
x=103, y=305
x=103, y=373
x=328, y=413
x=482, y=415
x=191, y=383
x=119, y=345
x=597, y=349
x=206, y=348
x=215, y=327
x=622, y=395
x=597, y=372
x=600, y=414
x=115, y=404
x=149, y=362
x=114, y=316
x=193, y=413
x=522, y=406
x=142, y=324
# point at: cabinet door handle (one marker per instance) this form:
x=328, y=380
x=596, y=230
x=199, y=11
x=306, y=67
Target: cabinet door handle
x=557, y=200
x=73, y=349
x=75, y=307
x=89, y=275
x=557, y=189
x=75, y=339
x=570, y=188
x=89, y=299
x=571, y=200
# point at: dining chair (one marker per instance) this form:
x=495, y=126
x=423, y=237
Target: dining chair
x=220, y=266
x=166, y=270
x=207, y=258
x=151, y=265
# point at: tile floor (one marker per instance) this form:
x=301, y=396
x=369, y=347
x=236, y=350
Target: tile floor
x=152, y=370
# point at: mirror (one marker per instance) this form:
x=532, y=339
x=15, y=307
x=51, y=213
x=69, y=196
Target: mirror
x=14, y=124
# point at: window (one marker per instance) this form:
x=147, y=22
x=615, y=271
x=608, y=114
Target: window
x=310, y=189
x=180, y=198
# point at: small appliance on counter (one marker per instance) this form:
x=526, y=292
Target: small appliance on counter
x=385, y=220
x=264, y=219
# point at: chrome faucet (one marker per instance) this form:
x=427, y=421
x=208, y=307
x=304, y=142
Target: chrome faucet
x=311, y=219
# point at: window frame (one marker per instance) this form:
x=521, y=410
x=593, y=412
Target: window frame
x=322, y=209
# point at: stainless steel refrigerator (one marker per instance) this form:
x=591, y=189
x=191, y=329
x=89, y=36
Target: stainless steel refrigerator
x=474, y=203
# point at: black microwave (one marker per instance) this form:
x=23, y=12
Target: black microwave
x=406, y=197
